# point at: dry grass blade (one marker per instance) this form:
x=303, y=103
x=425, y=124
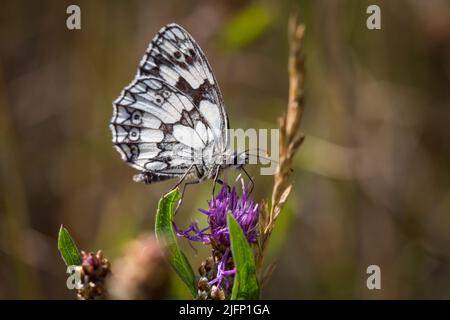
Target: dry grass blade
x=290, y=136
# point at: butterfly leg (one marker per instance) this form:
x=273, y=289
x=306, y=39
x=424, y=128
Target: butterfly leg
x=182, y=194
x=179, y=181
x=250, y=178
x=177, y=185
x=216, y=179
x=219, y=181
x=185, y=185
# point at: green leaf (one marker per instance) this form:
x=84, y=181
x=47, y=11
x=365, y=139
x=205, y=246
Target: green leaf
x=247, y=26
x=165, y=232
x=68, y=248
x=245, y=282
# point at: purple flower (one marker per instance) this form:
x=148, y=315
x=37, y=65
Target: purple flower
x=246, y=213
x=244, y=210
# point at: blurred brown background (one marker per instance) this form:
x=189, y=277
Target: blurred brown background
x=371, y=182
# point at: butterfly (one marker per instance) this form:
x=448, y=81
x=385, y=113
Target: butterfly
x=170, y=121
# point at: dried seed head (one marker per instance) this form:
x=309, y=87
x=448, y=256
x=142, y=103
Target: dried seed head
x=203, y=284
x=209, y=264
x=94, y=269
x=202, y=295
x=217, y=293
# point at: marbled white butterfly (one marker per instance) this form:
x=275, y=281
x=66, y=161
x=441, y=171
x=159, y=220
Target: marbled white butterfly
x=170, y=121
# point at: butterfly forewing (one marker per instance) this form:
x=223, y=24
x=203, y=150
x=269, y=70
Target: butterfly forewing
x=174, y=56
x=172, y=114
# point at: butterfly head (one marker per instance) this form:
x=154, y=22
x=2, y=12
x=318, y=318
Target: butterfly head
x=239, y=159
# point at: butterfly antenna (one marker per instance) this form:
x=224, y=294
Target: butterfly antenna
x=250, y=179
x=258, y=156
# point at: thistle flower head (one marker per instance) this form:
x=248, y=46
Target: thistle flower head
x=217, y=278
x=244, y=210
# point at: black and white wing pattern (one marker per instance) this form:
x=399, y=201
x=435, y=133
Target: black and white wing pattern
x=172, y=114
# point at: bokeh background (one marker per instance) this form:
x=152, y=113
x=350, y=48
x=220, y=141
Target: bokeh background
x=371, y=182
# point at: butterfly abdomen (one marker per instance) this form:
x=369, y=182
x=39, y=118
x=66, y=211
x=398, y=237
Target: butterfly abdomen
x=149, y=177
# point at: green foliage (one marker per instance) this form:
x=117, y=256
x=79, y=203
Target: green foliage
x=68, y=248
x=165, y=232
x=245, y=282
x=247, y=26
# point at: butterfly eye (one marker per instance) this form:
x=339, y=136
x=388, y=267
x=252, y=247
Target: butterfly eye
x=134, y=134
x=136, y=117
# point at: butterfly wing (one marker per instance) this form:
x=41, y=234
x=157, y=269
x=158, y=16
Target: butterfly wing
x=156, y=127
x=172, y=114
x=175, y=57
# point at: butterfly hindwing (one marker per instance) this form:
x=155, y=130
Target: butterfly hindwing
x=157, y=128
